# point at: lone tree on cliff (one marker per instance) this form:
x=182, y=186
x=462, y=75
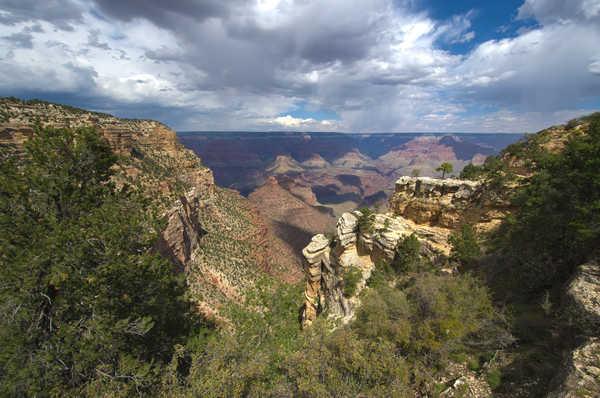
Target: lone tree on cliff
x=445, y=168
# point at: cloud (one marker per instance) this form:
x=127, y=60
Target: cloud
x=559, y=11
x=164, y=13
x=290, y=121
x=536, y=71
x=20, y=40
x=63, y=14
x=94, y=41
x=242, y=64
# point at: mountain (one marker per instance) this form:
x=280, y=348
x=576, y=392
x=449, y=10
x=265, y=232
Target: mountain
x=284, y=164
x=291, y=218
x=215, y=236
x=344, y=171
x=316, y=161
x=354, y=160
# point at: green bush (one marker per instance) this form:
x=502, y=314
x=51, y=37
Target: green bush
x=472, y=172
x=473, y=364
x=465, y=248
x=90, y=301
x=406, y=257
x=366, y=220
x=494, y=379
x=351, y=276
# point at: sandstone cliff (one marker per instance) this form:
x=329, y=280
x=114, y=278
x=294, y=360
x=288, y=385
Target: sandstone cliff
x=214, y=235
x=448, y=203
x=430, y=208
x=326, y=261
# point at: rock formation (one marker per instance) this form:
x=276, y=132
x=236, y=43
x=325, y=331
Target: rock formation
x=284, y=164
x=581, y=372
x=316, y=161
x=448, y=203
x=430, y=208
x=325, y=261
x=432, y=201
x=214, y=235
x=580, y=375
x=290, y=218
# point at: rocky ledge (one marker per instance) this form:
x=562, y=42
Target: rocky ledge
x=580, y=372
x=326, y=260
x=447, y=203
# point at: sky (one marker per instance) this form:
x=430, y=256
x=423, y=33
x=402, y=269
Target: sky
x=355, y=66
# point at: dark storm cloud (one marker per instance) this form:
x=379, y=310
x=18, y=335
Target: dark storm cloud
x=20, y=40
x=61, y=13
x=161, y=12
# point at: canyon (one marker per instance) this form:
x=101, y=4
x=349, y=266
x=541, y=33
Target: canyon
x=225, y=243
x=213, y=235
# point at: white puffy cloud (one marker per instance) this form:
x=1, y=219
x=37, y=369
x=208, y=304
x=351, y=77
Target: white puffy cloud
x=241, y=64
x=560, y=11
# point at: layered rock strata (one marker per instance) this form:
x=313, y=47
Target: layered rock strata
x=432, y=201
x=326, y=261
x=448, y=203
x=430, y=208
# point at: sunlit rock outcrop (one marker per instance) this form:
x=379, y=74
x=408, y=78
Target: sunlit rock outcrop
x=326, y=261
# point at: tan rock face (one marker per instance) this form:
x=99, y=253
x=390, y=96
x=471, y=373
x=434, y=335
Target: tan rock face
x=448, y=203
x=180, y=239
x=316, y=257
x=581, y=372
x=324, y=266
x=583, y=295
x=432, y=201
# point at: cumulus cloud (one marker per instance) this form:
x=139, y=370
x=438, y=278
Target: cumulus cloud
x=544, y=69
x=241, y=64
x=63, y=14
x=560, y=11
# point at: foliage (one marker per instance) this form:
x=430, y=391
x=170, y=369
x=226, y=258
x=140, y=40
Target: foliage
x=415, y=172
x=351, y=276
x=494, y=171
x=465, y=248
x=445, y=168
x=494, y=379
x=393, y=348
x=406, y=258
x=84, y=301
x=472, y=172
x=557, y=225
x=366, y=221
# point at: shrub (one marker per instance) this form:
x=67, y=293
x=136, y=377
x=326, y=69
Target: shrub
x=406, y=258
x=351, y=276
x=472, y=172
x=447, y=311
x=494, y=379
x=366, y=220
x=465, y=248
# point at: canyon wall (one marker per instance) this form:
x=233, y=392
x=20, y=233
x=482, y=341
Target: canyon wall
x=430, y=208
x=213, y=235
